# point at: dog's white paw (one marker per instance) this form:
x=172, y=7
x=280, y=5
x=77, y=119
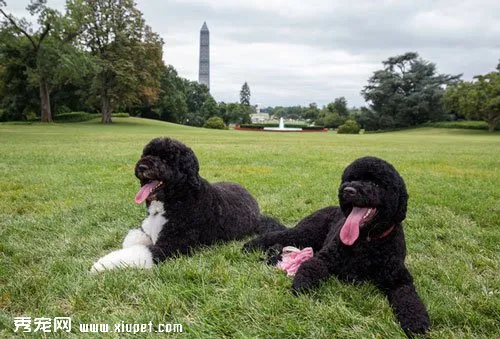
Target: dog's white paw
x=137, y=256
x=136, y=237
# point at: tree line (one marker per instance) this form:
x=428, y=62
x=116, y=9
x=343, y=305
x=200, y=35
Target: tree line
x=98, y=56
x=101, y=56
x=408, y=92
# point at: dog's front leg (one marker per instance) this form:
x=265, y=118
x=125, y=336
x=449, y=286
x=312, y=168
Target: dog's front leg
x=266, y=241
x=309, y=274
x=168, y=246
x=409, y=310
x=136, y=236
x=141, y=256
x=136, y=256
x=323, y=264
x=406, y=304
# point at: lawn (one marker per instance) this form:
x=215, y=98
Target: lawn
x=66, y=198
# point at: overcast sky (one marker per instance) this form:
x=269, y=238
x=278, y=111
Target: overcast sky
x=295, y=52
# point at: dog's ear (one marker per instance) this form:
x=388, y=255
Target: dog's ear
x=395, y=184
x=190, y=167
x=402, y=200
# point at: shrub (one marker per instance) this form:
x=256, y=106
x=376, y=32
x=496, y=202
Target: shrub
x=313, y=127
x=349, y=127
x=256, y=126
x=75, y=117
x=31, y=116
x=120, y=115
x=215, y=123
x=252, y=126
x=150, y=114
x=62, y=109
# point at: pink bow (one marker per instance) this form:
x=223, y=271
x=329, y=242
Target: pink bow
x=292, y=257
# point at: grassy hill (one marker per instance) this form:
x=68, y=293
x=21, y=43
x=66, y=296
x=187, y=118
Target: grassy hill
x=66, y=198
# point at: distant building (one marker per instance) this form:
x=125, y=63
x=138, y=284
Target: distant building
x=204, y=70
x=259, y=117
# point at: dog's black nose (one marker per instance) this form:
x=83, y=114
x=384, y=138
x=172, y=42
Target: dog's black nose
x=350, y=191
x=142, y=167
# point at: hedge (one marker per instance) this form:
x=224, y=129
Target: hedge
x=75, y=117
x=84, y=116
x=120, y=115
x=465, y=124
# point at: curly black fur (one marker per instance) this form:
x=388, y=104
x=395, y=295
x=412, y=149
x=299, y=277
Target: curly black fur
x=378, y=253
x=197, y=212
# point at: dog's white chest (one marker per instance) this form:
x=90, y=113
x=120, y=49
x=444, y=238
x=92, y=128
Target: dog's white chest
x=154, y=222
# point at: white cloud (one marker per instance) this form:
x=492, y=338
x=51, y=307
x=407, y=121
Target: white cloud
x=297, y=52
x=287, y=8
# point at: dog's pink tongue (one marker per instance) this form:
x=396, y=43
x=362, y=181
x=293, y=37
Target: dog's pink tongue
x=144, y=192
x=350, y=231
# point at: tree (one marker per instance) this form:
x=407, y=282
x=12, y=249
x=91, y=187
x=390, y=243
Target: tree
x=329, y=116
x=311, y=112
x=279, y=112
x=196, y=95
x=366, y=119
x=456, y=102
x=209, y=108
x=237, y=113
x=222, y=108
x=46, y=43
x=172, y=104
x=407, y=92
x=478, y=99
x=293, y=112
x=17, y=98
x=245, y=94
x=128, y=52
x=200, y=103
x=340, y=106
x=332, y=120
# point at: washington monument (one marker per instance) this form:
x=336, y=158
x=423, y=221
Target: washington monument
x=204, y=74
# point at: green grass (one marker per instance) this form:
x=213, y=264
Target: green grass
x=66, y=198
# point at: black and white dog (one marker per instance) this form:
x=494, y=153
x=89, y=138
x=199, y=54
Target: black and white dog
x=184, y=210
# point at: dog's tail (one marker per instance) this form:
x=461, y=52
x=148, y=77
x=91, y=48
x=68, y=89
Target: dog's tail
x=268, y=224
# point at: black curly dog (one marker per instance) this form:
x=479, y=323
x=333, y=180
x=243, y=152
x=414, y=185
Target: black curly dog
x=184, y=210
x=362, y=240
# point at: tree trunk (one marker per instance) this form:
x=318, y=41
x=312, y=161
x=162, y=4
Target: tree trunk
x=491, y=121
x=491, y=126
x=45, y=101
x=106, y=109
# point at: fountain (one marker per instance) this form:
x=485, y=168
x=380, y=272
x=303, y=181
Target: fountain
x=282, y=128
